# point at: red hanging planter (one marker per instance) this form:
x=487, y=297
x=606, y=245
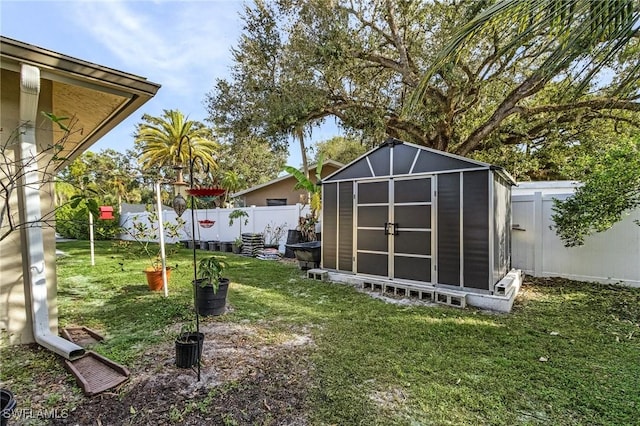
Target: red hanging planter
x=206, y=192
x=206, y=223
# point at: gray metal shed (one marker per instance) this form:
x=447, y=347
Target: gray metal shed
x=408, y=214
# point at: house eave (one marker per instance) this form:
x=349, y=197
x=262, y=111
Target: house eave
x=134, y=91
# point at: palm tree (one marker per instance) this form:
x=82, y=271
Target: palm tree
x=165, y=141
x=231, y=182
x=587, y=35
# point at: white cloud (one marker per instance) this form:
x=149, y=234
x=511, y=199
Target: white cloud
x=183, y=45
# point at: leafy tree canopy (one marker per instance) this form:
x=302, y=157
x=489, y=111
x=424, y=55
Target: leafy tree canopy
x=361, y=61
x=111, y=175
x=611, y=190
x=251, y=159
x=170, y=139
x=341, y=149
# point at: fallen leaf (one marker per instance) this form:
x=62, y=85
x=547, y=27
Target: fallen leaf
x=554, y=333
x=543, y=359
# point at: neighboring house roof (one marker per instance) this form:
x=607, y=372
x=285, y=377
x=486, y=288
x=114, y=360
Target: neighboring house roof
x=336, y=164
x=97, y=96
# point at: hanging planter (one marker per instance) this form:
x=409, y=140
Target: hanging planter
x=206, y=192
x=206, y=223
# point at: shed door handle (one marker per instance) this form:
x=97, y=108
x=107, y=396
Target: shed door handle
x=391, y=228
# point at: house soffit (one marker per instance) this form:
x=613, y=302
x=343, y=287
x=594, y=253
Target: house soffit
x=87, y=110
x=94, y=97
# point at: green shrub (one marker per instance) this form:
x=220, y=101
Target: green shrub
x=74, y=223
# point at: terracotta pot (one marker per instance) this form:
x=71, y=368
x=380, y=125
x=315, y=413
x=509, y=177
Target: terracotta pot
x=154, y=278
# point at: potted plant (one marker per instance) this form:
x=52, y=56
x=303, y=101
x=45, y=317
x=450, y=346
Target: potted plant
x=211, y=287
x=273, y=234
x=308, y=224
x=307, y=251
x=238, y=214
x=236, y=247
x=188, y=347
x=145, y=234
x=243, y=216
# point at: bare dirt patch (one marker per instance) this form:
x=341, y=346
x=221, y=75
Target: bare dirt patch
x=250, y=374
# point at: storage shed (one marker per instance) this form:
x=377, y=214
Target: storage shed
x=427, y=219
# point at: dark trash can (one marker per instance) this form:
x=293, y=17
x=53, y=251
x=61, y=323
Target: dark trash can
x=8, y=405
x=293, y=237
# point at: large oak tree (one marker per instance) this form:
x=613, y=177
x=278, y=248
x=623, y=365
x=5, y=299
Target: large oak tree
x=361, y=61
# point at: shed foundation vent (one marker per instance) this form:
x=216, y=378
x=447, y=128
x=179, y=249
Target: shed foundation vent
x=450, y=299
x=318, y=274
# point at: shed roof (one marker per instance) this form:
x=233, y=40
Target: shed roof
x=408, y=159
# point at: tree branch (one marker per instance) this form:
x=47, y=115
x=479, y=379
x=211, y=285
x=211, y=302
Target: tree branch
x=593, y=104
x=508, y=107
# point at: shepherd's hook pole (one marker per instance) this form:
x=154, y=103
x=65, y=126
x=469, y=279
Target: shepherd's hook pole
x=193, y=233
x=163, y=256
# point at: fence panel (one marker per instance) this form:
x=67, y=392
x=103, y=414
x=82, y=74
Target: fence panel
x=608, y=257
x=285, y=217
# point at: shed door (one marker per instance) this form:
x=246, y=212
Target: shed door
x=394, y=223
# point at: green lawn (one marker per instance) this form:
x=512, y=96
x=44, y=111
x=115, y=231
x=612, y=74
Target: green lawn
x=569, y=353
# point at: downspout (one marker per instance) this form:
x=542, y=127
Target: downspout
x=30, y=193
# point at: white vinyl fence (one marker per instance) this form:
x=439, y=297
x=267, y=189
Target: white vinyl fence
x=259, y=219
x=610, y=257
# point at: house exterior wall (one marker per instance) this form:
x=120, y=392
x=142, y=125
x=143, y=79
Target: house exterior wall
x=15, y=305
x=281, y=190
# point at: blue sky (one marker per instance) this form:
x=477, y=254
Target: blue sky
x=182, y=45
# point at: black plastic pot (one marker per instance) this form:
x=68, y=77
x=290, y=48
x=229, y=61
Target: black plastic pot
x=8, y=405
x=209, y=303
x=188, y=346
x=225, y=246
